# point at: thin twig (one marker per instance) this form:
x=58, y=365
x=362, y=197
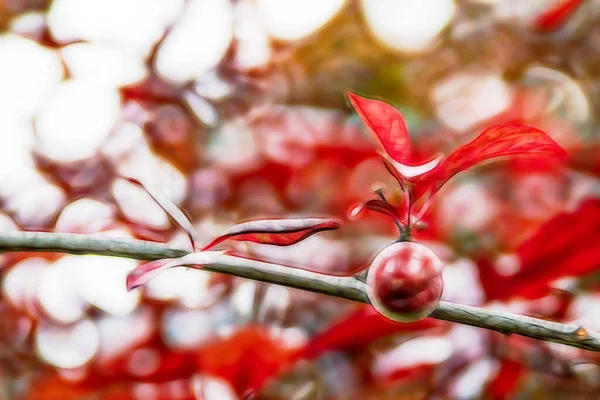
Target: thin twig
x=349, y=288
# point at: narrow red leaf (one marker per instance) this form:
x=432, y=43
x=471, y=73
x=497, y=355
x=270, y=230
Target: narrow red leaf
x=567, y=245
x=559, y=234
x=556, y=15
x=360, y=328
x=386, y=123
x=578, y=260
x=379, y=206
x=506, y=380
x=278, y=232
x=174, y=212
x=147, y=271
x=495, y=141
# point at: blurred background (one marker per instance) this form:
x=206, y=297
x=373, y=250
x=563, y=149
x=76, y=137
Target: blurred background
x=235, y=110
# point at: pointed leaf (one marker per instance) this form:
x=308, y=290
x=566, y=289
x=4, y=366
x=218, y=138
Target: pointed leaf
x=379, y=206
x=278, y=232
x=386, y=123
x=247, y=358
x=170, y=208
x=147, y=271
x=506, y=380
x=495, y=141
x=359, y=329
x=567, y=245
x=561, y=232
x=556, y=15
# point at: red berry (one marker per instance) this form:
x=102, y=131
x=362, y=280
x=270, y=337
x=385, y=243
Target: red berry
x=405, y=282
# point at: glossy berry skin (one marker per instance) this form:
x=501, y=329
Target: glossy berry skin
x=404, y=281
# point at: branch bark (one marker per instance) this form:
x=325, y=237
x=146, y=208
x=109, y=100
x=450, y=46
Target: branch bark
x=349, y=288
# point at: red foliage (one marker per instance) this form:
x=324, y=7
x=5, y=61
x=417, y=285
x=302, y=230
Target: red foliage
x=278, y=232
x=379, y=206
x=52, y=387
x=506, y=380
x=556, y=15
x=387, y=124
x=567, y=245
x=350, y=333
x=495, y=141
x=246, y=359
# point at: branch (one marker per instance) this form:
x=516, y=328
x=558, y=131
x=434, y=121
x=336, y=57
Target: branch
x=349, y=288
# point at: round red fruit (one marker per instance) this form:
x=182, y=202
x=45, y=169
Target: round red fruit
x=405, y=282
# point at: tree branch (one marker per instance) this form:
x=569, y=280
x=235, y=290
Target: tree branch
x=349, y=288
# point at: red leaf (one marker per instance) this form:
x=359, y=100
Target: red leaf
x=386, y=123
x=561, y=232
x=556, y=15
x=246, y=359
x=359, y=329
x=278, y=232
x=506, y=380
x=495, y=141
x=147, y=271
x=567, y=245
x=379, y=206
x=174, y=212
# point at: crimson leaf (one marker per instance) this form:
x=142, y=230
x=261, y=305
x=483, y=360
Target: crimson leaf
x=567, y=245
x=379, y=206
x=506, y=380
x=359, y=329
x=556, y=15
x=278, y=232
x=386, y=123
x=147, y=271
x=495, y=141
x=247, y=358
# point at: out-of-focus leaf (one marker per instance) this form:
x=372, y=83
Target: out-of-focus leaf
x=386, y=123
x=506, y=380
x=360, y=328
x=278, y=232
x=246, y=359
x=562, y=232
x=170, y=208
x=556, y=15
x=495, y=141
x=147, y=271
x=567, y=245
